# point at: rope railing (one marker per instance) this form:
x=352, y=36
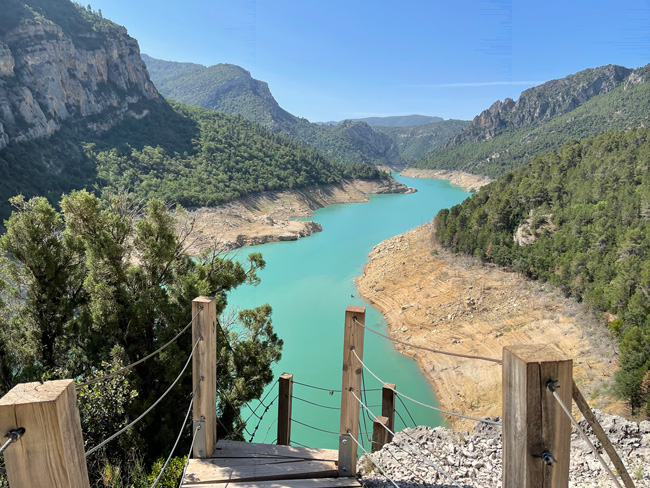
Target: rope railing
x=428, y=349
x=314, y=403
x=187, y=460
x=261, y=417
x=313, y=427
x=407, y=411
x=124, y=429
x=407, y=447
x=275, y=419
x=331, y=391
x=455, y=414
x=553, y=389
x=374, y=462
x=178, y=438
x=132, y=365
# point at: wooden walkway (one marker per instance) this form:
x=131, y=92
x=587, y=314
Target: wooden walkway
x=247, y=465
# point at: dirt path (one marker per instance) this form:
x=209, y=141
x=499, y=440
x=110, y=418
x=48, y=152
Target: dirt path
x=267, y=217
x=467, y=181
x=432, y=298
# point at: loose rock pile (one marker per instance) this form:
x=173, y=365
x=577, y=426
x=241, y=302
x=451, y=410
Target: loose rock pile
x=474, y=459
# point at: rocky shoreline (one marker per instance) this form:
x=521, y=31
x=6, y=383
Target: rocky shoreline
x=268, y=216
x=474, y=459
x=430, y=297
x=467, y=181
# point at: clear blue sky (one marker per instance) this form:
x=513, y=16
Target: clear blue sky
x=337, y=59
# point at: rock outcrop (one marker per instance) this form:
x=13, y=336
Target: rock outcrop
x=48, y=76
x=538, y=104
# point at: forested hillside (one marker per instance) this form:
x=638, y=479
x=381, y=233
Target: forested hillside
x=69, y=122
x=416, y=141
x=231, y=89
x=510, y=134
x=580, y=219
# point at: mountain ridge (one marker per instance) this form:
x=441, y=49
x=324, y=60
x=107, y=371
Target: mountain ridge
x=507, y=136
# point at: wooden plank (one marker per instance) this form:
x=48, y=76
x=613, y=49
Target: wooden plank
x=51, y=452
x=285, y=395
x=602, y=436
x=252, y=461
x=236, y=448
x=351, y=381
x=204, y=365
x=388, y=407
x=305, y=483
x=533, y=421
x=379, y=433
x=208, y=471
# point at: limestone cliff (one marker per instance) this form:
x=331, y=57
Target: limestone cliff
x=538, y=104
x=85, y=70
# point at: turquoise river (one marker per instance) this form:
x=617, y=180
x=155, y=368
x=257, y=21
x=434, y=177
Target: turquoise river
x=309, y=283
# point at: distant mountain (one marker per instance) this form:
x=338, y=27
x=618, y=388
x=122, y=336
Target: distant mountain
x=223, y=87
x=395, y=121
x=416, y=141
x=509, y=134
x=78, y=110
x=231, y=89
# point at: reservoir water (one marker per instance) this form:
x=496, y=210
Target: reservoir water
x=309, y=283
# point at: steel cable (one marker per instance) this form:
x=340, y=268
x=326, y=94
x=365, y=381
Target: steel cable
x=126, y=368
x=553, y=388
x=375, y=463
x=413, y=451
x=436, y=351
x=124, y=429
x=189, y=409
x=485, y=421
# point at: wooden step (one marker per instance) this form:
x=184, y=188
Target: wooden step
x=306, y=483
x=244, y=464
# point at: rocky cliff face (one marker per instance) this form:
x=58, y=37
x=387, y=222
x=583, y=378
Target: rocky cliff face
x=47, y=77
x=538, y=104
x=371, y=143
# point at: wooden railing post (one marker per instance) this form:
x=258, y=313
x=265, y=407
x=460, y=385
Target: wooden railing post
x=285, y=394
x=388, y=408
x=204, y=370
x=50, y=454
x=351, y=383
x=379, y=433
x=536, y=431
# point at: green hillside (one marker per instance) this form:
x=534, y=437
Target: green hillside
x=623, y=107
x=416, y=141
x=179, y=153
x=585, y=212
x=231, y=89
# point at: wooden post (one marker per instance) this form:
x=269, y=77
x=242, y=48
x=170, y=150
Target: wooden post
x=352, y=369
x=534, y=425
x=379, y=433
x=285, y=385
x=602, y=436
x=388, y=407
x=51, y=452
x=204, y=369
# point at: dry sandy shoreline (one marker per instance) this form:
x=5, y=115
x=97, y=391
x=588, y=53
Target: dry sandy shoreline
x=432, y=298
x=267, y=217
x=467, y=181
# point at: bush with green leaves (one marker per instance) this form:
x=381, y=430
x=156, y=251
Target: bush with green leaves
x=104, y=282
